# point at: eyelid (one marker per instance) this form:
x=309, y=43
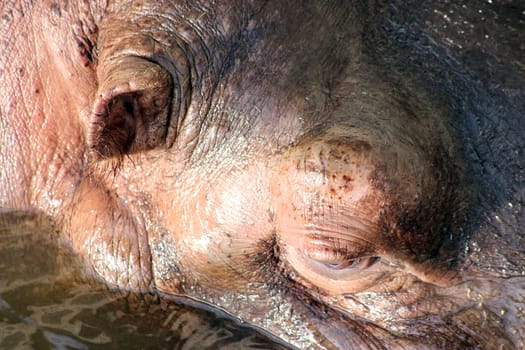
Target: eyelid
x=325, y=255
x=333, y=281
x=334, y=249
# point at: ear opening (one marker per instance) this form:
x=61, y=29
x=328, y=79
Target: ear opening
x=131, y=112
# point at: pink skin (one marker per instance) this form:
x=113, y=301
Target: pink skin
x=303, y=212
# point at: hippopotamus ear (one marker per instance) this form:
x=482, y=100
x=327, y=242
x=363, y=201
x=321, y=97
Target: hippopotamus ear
x=131, y=108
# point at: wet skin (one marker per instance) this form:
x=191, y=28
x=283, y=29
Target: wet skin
x=337, y=175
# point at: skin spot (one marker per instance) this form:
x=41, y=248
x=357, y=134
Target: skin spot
x=335, y=154
x=56, y=9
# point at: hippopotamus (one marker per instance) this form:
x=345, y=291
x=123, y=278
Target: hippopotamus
x=337, y=174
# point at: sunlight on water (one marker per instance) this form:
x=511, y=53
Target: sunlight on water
x=44, y=304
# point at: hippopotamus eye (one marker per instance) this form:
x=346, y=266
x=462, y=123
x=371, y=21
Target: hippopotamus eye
x=357, y=263
x=335, y=256
x=336, y=266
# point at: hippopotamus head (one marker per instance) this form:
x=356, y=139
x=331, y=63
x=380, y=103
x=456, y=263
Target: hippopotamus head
x=280, y=162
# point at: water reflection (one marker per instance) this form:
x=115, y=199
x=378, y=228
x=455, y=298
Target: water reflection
x=45, y=303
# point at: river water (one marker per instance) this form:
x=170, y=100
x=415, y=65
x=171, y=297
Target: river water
x=46, y=303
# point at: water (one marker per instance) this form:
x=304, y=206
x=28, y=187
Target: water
x=46, y=303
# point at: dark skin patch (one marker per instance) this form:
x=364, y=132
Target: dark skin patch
x=55, y=8
x=85, y=50
x=423, y=229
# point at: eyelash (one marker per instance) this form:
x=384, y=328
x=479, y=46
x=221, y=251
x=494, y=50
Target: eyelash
x=338, y=248
x=357, y=263
x=339, y=260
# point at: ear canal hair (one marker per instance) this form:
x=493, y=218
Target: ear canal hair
x=132, y=108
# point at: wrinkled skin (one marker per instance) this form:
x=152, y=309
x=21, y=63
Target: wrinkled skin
x=338, y=175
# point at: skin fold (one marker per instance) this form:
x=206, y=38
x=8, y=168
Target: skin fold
x=336, y=174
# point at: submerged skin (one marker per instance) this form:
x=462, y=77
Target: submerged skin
x=272, y=161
